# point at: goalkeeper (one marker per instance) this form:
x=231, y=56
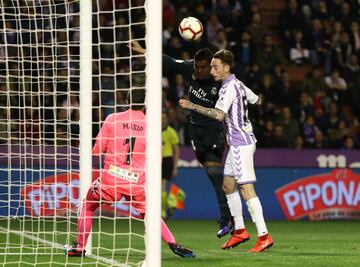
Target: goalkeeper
x=122, y=140
x=207, y=135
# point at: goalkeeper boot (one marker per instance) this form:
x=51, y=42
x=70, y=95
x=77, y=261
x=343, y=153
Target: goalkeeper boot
x=72, y=250
x=224, y=228
x=263, y=242
x=181, y=251
x=239, y=236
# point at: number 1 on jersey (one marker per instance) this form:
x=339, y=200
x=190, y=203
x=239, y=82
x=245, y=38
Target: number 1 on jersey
x=131, y=144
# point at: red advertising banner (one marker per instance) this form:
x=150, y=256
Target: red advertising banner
x=332, y=195
x=57, y=195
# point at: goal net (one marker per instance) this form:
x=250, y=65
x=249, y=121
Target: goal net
x=44, y=110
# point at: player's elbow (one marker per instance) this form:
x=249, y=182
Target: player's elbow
x=259, y=101
x=220, y=116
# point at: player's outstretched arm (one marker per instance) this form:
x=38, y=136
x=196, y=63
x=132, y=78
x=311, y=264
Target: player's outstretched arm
x=170, y=64
x=135, y=46
x=213, y=113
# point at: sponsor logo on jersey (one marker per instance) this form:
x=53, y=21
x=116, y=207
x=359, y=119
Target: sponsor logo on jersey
x=199, y=94
x=332, y=195
x=124, y=174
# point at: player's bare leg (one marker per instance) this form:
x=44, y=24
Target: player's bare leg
x=240, y=234
x=255, y=209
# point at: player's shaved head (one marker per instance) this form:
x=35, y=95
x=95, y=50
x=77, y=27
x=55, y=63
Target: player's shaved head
x=136, y=99
x=202, y=61
x=203, y=54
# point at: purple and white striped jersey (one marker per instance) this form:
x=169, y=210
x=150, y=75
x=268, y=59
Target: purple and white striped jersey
x=233, y=100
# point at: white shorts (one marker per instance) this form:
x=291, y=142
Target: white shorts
x=240, y=164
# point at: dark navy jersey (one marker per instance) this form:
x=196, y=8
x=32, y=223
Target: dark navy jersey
x=201, y=92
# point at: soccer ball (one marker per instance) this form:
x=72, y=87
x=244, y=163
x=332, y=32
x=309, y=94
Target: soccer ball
x=190, y=29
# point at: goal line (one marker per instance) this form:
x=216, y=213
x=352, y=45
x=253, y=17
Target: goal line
x=57, y=246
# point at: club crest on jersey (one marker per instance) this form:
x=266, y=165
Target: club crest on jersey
x=214, y=91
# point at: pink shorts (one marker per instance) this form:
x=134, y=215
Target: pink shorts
x=111, y=195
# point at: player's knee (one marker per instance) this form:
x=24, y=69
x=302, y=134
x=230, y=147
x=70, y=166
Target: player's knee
x=229, y=185
x=215, y=173
x=247, y=191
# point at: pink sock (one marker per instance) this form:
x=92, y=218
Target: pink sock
x=166, y=234
x=84, y=223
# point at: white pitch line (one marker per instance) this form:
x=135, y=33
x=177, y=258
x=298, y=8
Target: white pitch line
x=60, y=246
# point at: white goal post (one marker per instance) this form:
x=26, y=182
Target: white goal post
x=65, y=66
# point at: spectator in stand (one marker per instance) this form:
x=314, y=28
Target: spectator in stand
x=244, y=53
x=337, y=134
x=223, y=9
x=304, y=108
x=268, y=89
x=315, y=82
x=177, y=90
x=233, y=23
x=201, y=13
x=336, y=33
x=328, y=31
x=174, y=48
x=229, y=14
x=269, y=55
x=342, y=51
x=266, y=135
x=320, y=142
x=320, y=52
x=250, y=9
x=298, y=143
x=289, y=124
x=291, y=20
x=351, y=120
x=321, y=11
x=355, y=36
x=337, y=86
x=352, y=70
x=212, y=27
x=253, y=77
x=279, y=138
x=333, y=116
x=221, y=40
x=299, y=52
x=277, y=74
x=345, y=16
x=169, y=13
x=309, y=129
x=257, y=30
x=287, y=91
x=349, y=143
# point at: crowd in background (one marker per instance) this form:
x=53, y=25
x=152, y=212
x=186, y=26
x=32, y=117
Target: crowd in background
x=321, y=36
x=320, y=111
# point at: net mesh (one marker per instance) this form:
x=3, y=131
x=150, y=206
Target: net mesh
x=39, y=127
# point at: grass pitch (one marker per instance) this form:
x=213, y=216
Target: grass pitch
x=332, y=243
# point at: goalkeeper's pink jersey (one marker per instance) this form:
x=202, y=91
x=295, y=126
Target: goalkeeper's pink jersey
x=122, y=140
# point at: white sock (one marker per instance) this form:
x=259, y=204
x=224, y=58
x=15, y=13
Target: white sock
x=235, y=206
x=256, y=212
